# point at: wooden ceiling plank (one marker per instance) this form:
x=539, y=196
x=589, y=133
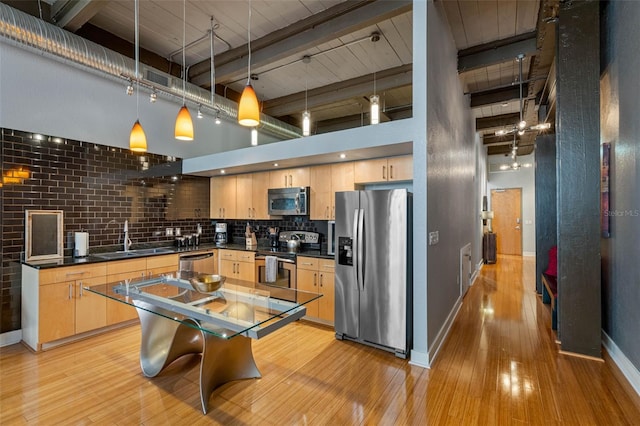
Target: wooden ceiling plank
x=526, y=16
x=497, y=121
x=73, y=14
x=507, y=18
x=265, y=52
x=452, y=10
x=472, y=25
x=489, y=16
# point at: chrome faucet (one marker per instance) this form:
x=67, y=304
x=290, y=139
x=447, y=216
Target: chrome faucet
x=127, y=240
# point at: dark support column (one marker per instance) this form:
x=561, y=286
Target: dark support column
x=578, y=178
x=546, y=207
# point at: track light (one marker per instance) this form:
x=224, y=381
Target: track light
x=130, y=89
x=153, y=97
x=200, y=112
x=218, y=121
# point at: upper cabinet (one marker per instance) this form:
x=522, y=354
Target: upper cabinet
x=392, y=169
x=223, y=197
x=251, y=196
x=325, y=181
x=289, y=178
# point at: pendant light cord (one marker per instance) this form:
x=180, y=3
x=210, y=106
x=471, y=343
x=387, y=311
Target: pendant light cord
x=249, y=45
x=213, y=68
x=520, y=59
x=184, y=47
x=137, y=35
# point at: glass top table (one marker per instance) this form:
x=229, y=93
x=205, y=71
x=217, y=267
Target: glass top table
x=177, y=318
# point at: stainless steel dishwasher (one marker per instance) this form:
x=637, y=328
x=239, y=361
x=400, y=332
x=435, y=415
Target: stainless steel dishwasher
x=202, y=262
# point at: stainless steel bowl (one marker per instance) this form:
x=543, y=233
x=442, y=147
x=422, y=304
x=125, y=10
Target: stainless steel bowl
x=207, y=283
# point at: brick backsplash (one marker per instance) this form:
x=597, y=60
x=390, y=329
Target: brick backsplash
x=98, y=188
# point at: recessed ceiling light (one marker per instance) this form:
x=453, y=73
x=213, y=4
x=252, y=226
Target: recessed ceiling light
x=275, y=164
x=504, y=104
x=222, y=171
x=343, y=155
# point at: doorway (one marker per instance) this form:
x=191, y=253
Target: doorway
x=507, y=220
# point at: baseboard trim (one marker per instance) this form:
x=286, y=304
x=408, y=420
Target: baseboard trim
x=10, y=338
x=529, y=253
x=444, y=331
x=626, y=367
x=577, y=355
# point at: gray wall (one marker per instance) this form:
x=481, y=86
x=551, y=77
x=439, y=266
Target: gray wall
x=619, y=85
x=451, y=166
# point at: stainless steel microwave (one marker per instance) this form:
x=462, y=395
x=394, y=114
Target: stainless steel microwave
x=289, y=201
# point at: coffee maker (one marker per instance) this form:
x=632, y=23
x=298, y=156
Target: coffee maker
x=274, y=238
x=221, y=233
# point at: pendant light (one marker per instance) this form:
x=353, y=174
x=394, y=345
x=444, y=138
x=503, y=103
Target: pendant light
x=254, y=137
x=374, y=104
x=137, y=138
x=184, y=124
x=306, y=116
x=248, y=108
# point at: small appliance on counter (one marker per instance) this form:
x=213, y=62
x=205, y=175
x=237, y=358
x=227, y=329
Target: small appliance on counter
x=273, y=237
x=221, y=233
x=81, y=244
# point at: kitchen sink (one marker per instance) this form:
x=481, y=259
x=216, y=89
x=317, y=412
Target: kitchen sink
x=133, y=253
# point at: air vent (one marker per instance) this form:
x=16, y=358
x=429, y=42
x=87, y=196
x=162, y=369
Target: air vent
x=157, y=78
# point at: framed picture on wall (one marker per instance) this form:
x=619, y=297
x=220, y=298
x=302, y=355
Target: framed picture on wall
x=43, y=235
x=605, y=212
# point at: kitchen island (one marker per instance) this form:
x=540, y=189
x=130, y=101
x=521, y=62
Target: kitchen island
x=177, y=318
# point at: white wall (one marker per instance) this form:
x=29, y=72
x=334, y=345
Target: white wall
x=46, y=96
x=522, y=178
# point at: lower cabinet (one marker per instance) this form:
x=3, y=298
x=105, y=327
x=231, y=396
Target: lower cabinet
x=56, y=306
x=237, y=264
x=317, y=275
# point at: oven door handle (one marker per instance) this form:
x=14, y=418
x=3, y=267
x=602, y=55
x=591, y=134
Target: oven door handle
x=279, y=259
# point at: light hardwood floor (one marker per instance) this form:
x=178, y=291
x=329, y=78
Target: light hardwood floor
x=500, y=365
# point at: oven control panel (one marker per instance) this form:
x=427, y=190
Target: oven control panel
x=304, y=236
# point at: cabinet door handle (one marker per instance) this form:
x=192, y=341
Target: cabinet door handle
x=248, y=211
x=81, y=292
x=70, y=291
x=285, y=181
x=384, y=172
x=390, y=172
x=315, y=279
x=254, y=212
x=333, y=212
x=75, y=273
x=320, y=280
x=290, y=180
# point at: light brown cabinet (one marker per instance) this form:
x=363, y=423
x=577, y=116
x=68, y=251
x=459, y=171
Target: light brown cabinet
x=222, y=197
x=289, y=178
x=325, y=181
x=393, y=169
x=237, y=264
x=317, y=276
x=57, y=305
x=251, y=195
x=123, y=270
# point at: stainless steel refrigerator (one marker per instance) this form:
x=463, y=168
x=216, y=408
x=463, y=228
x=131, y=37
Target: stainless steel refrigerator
x=373, y=278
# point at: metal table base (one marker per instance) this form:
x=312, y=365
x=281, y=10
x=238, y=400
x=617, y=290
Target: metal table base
x=164, y=340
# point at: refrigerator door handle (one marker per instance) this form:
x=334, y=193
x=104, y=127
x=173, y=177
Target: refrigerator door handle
x=353, y=246
x=360, y=249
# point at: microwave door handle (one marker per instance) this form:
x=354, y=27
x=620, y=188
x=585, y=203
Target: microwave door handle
x=361, y=249
x=297, y=203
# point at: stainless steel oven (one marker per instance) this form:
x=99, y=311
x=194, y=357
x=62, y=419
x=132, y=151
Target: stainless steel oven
x=284, y=285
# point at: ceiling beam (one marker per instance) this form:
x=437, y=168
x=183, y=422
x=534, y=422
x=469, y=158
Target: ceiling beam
x=506, y=149
x=73, y=14
x=496, y=52
x=355, y=87
x=497, y=121
x=497, y=96
x=296, y=39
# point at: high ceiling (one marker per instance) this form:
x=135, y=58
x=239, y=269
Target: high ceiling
x=351, y=45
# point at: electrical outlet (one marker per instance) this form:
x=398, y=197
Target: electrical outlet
x=434, y=237
x=169, y=232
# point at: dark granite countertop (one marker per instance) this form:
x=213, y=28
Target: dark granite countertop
x=94, y=258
